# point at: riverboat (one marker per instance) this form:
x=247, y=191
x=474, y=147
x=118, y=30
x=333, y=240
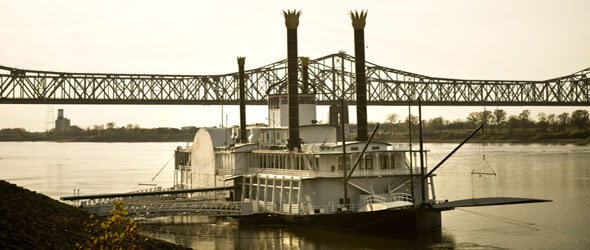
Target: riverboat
x=295, y=170
x=327, y=182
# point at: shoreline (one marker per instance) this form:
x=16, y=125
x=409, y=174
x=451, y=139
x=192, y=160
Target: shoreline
x=507, y=141
x=33, y=220
x=426, y=140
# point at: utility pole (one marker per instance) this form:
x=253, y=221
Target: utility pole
x=423, y=189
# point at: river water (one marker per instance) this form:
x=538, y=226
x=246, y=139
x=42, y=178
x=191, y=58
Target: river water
x=557, y=172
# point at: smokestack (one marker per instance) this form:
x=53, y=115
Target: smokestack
x=358, y=23
x=60, y=113
x=241, y=81
x=305, y=72
x=292, y=21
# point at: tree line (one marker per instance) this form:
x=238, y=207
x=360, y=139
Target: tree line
x=497, y=125
x=108, y=132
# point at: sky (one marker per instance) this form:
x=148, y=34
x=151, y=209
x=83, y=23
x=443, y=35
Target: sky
x=497, y=39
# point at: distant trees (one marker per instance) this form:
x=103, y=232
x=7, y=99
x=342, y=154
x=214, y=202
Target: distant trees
x=499, y=119
x=437, y=124
x=497, y=123
x=12, y=131
x=564, y=119
x=580, y=119
x=473, y=119
x=513, y=124
x=484, y=118
x=457, y=124
x=413, y=120
x=391, y=120
x=552, y=122
x=110, y=125
x=543, y=121
x=102, y=133
x=524, y=117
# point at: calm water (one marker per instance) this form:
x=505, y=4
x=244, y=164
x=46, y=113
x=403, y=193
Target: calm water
x=557, y=172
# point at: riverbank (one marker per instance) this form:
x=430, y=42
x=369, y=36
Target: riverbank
x=99, y=138
x=34, y=221
x=578, y=137
x=580, y=142
x=397, y=140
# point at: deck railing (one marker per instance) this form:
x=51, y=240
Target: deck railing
x=314, y=174
x=330, y=209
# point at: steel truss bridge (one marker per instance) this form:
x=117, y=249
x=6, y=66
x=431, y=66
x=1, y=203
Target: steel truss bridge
x=330, y=78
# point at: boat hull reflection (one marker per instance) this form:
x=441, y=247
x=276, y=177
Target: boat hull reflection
x=207, y=233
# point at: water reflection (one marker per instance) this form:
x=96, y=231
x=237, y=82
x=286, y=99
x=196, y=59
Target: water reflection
x=206, y=233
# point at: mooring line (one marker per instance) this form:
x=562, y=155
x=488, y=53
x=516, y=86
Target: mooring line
x=503, y=219
x=163, y=167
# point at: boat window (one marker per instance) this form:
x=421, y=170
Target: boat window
x=354, y=148
x=340, y=164
x=273, y=103
x=369, y=162
x=392, y=161
x=361, y=164
x=317, y=164
x=383, y=161
x=375, y=147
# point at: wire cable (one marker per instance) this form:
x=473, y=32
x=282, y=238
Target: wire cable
x=503, y=219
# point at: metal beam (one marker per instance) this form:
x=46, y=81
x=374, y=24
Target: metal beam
x=329, y=77
x=153, y=193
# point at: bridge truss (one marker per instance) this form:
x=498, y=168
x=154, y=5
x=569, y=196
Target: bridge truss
x=330, y=78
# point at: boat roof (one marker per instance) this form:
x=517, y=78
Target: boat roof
x=339, y=144
x=301, y=126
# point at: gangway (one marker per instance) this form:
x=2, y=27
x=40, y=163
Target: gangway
x=177, y=208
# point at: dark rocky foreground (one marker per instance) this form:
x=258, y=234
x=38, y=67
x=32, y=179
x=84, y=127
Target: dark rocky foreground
x=29, y=220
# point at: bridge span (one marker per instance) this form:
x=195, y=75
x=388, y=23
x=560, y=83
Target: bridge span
x=330, y=78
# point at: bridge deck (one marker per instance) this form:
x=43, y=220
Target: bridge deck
x=330, y=78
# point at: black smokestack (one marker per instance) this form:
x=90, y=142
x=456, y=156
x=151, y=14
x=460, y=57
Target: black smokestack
x=358, y=23
x=292, y=21
x=305, y=74
x=241, y=81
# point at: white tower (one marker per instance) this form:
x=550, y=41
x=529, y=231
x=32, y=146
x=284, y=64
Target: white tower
x=49, y=119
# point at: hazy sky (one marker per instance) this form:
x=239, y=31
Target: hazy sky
x=498, y=39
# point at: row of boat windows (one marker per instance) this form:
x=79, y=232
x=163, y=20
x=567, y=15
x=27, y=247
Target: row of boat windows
x=295, y=162
x=268, y=136
x=385, y=162
x=275, y=102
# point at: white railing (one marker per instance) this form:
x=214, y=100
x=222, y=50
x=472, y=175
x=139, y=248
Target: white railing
x=372, y=199
x=383, y=198
x=330, y=209
x=400, y=197
x=314, y=174
x=168, y=208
